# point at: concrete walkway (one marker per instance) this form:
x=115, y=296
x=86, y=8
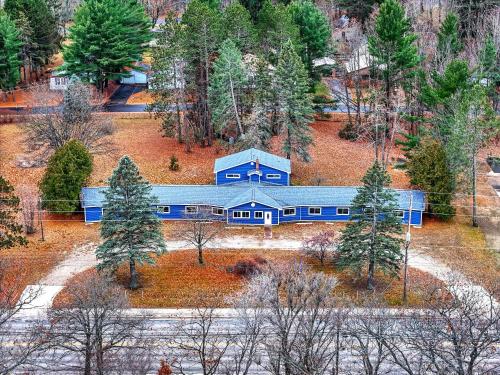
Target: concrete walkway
x=83, y=258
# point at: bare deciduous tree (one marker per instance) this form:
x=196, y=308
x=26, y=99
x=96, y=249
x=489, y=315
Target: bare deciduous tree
x=201, y=340
x=18, y=347
x=155, y=8
x=94, y=334
x=201, y=229
x=320, y=246
x=51, y=124
x=29, y=203
x=302, y=320
x=459, y=333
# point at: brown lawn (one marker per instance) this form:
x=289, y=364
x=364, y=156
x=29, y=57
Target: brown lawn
x=177, y=280
x=142, y=97
x=335, y=161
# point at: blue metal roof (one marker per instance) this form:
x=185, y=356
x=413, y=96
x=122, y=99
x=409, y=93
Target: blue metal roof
x=228, y=196
x=252, y=154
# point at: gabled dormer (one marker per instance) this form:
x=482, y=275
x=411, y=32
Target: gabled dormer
x=252, y=166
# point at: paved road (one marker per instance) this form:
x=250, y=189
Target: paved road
x=165, y=340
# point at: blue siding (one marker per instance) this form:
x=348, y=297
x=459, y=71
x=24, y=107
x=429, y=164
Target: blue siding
x=243, y=169
x=252, y=220
x=92, y=214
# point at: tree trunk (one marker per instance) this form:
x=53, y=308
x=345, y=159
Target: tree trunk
x=235, y=107
x=134, y=276
x=88, y=357
x=200, y=255
x=474, y=192
x=371, y=273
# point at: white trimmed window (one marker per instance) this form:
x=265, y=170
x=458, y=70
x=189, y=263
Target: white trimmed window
x=233, y=175
x=163, y=209
x=400, y=214
x=191, y=209
x=217, y=211
x=289, y=211
x=342, y=211
x=258, y=215
x=241, y=214
x=273, y=176
x=314, y=210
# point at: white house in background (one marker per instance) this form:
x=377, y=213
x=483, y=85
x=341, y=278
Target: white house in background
x=323, y=61
x=58, y=81
x=137, y=76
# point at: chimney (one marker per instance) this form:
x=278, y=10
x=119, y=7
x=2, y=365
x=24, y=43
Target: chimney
x=257, y=164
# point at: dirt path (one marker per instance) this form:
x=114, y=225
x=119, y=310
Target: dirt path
x=83, y=258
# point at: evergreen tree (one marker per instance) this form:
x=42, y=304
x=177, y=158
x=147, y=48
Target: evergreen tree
x=489, y=69
x=392, y=47
x=372, y=236
x=449, y=43
x=10, y=49
x=295, y=103
x=203, y=36
x=428, y=169
x=67, y=170
x=314, y=30
x=265, y=94
x=455, y=78
x=10, y=230
x=275, y=27
x=226, y=88
x=130, y=229
x=167, y=81
x=238, y=26
x=107, y=37
x=42, y=25
x=464, y=128
x=253, y=7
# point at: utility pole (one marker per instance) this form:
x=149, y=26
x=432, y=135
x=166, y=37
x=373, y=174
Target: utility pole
x=407, y=245
x=40, y=218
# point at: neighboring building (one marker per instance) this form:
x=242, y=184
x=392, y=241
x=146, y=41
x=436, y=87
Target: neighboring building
x=137, y=76
x=58, y=81
x=253, y=188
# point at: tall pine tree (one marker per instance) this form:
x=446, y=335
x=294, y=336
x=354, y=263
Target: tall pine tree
x=10, y=230
x=130, y=230
x=449, y=43
x=167, y=82
x=10, y=49
x=314, y=30
x=226, y=88
x=372, y=237
x=238, y=26
x=203, y=36
x=295, y=114
x=392, y=47
x=39, y=22
x=275, y=27
x=107, y=37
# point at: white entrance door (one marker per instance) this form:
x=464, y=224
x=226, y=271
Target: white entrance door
x=268, y=218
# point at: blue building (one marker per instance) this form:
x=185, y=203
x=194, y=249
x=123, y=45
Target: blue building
x=252, y=187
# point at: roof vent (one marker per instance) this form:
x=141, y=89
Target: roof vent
x=257, y=164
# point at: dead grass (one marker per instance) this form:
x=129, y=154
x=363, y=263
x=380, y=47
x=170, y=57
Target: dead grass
x=177, y=280
x=142, y=97
x=335, y=161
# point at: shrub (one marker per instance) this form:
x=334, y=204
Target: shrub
x=349, y=132
x=320, y=246
x=174, y=163
x=428, y=168
x=249, y=267
x=67, y=171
